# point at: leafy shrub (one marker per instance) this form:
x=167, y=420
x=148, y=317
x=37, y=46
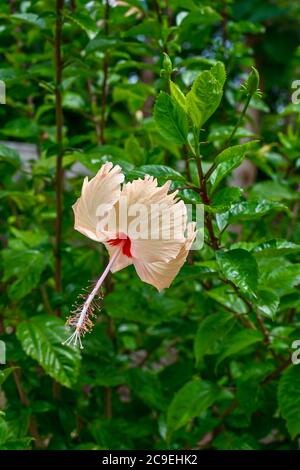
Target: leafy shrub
x=165, y=90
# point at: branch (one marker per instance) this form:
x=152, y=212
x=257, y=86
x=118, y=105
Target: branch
x=32, y=425
x=228, y=141
x=59, y=175
x=94, y=108
x=105, y=77
x=203, y=192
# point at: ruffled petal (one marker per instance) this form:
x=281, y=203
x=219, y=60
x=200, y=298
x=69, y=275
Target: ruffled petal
x=104, y=189
x=156, y=220
x=161, y=274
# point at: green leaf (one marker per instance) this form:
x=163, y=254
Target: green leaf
x=167, y=66
x=17, y=444
x=289, y=399
x=9, y=74
x=134, y=151
x=196, y=271
x=84, y=21
x=206, y=94
x=177, y=94
x=147, y=386
x=41, y=338
x=145, y=306
x=230, y=441
x=21, y=128
x=134, y=94
x=108, y=375
x=223, y=199
x=170, y=119
x=275, y=247
x=9, y=155
x=162, y=172
x=5, y=373
x=101, y=43
x=30, y=18
x=4, y=431
x=248, y=210
x=226, y=296
x=204, y=15
x=268, y=302
x=23, y=200
x=211, y=330
x=273, y=191
x=240, y=341
x=248, y=394
x=73, y=101
x=26, y=266
x=228, y=160
x=250, y=86
x=219, y=134
x=240, y=267
x=190, y=401
x=279, y=273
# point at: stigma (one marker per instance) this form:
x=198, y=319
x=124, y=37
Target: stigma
x=124, y=242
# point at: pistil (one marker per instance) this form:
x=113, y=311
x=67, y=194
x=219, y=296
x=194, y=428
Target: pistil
x=81, y=319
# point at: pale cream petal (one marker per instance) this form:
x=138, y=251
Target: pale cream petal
x=121, y=262
x=104, y=189
x=161, y=274
x=151, y=251
x=162, y=220
x=141, y=190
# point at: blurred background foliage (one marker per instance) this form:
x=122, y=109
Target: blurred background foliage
x=206, y=363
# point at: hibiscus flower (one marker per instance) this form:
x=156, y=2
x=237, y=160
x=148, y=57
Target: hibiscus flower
x=140, y=223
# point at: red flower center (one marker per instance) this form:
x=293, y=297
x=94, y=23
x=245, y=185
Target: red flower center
x=125, y=242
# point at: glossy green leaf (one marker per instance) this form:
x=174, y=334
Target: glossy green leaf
x=83, y=20
x=279, y=273
x=224, y=198
x=226, y=296
x=170, y=119
x=134, y=151
x=20, y=128
x=275, y=247
x=240, y=267
x=231, y=441
x=190, y=401
x=273, y=191
x=177, y=94
x=26, y=267
x=41, y=338
x=289, y=399
x=268, y=302
x=200, y=270
x=162, y=172
x=211, y=330
x=249, y=394
x=147, y=387
x=9, y=155
x=149, y=307
x=248, y=210
x=228, y=160
x=4, y=431
x=5, y=373
x=206, y=94
x=30, y=18
x=238, y=342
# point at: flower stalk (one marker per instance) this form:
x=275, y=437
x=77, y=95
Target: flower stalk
x=82, y=317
